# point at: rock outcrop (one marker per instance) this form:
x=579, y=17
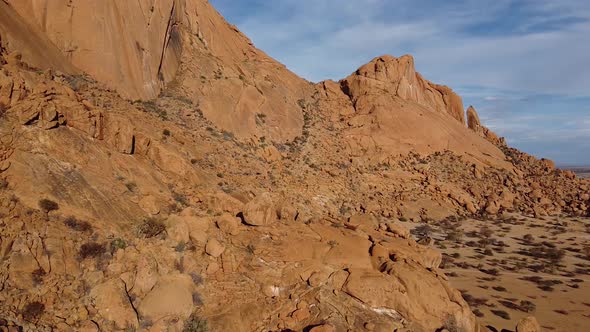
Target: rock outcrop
x=133, y=46
x=474, y=124
x=137, y=47
x=398, y=76
x=396, y=111
x=28, y=41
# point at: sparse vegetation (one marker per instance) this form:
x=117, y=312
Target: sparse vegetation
x=131, y=186
x=260, y=119
x=152, y=107
x=301, y=103
x=527, y=306
x=197, y=300
x=251, y=249
x=180, y=247
x=151, y=227
x=218, y=74
x=38, y=276
x=455, y=235
x=195, y=324
x=77, y=225
x=91, y=250
x=228, y=136
x=47, y=205
x=117, y=244
x=501, y=313
x=3, y=184
x=473, y=302
x=197, y=279
x=499, y=288
x=422, y=231
x=166, y=133
x=528, y=238
x=32, y=311
x=546, y=251
x=543, y=284
x=180, y=199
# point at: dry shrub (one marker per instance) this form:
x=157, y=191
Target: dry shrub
x=91, y=250
x=47, y=205
x=32, y=311
x=501, y=313
x=77, y=225
x=151, y=227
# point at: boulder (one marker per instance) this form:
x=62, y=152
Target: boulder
x=323, y=328
x=118, y=132
x=146, y=275
x=214, y=248
x=228, y=224
x=398, y=230
x=473, y=120
x=150, y=205
x=415, y=293
x=528, y=324
x=260, y=211
x=177, y=229
x=198, y=228
x=493, y=205
x=548, y=165
x=112, y=303
x=171, y=298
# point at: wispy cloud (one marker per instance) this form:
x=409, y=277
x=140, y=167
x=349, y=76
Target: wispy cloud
x=507, y=57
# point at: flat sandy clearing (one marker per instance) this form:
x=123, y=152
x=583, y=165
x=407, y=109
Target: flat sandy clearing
x=513, y=266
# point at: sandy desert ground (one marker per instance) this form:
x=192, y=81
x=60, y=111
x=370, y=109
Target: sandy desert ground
x=513, y=266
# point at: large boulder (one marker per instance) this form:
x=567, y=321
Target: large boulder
x=260, y=211
x=413, y=292
x=112, y=303
x=171, y=298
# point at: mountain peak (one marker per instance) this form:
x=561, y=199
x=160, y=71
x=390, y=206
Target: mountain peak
x=398, y=76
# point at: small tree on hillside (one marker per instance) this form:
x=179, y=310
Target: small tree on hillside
x=47, y=206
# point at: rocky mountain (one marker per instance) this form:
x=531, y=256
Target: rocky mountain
x=160, y=173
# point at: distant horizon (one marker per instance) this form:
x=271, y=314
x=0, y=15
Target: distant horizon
x=522, y=65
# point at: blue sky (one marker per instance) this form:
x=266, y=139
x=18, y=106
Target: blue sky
x=524, y=64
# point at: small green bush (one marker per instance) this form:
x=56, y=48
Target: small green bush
x=181, y=199
x=117, y=244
